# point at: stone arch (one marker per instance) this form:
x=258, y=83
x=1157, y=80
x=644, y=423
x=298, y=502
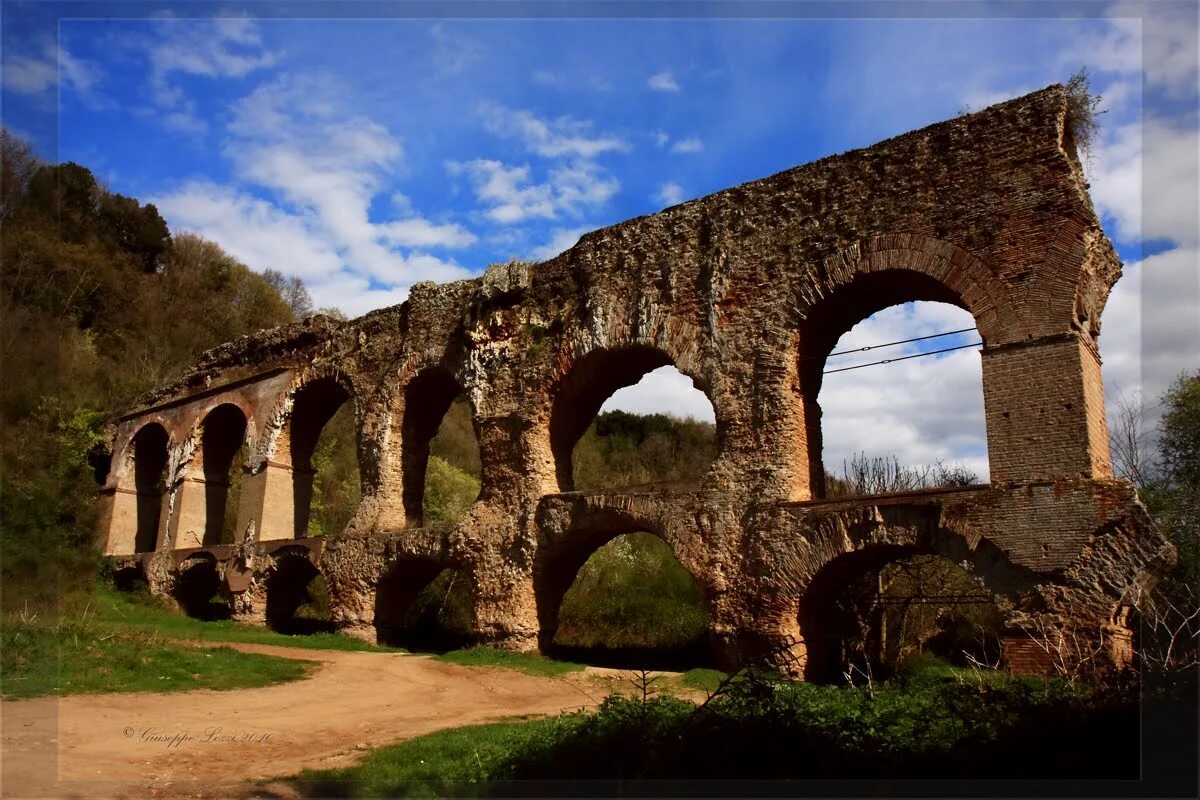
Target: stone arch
x=562, y=553
x=591, y=379
x=281, y=470
x=222, y=433
x=197, y=586
x=427, y=398
x=287, y=587
x=130, y=577
x=959, y=276
x=851, y=547
x=314, y=404
x=148, y=453
x=397, y=588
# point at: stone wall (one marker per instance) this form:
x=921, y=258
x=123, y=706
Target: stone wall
x=744, y=291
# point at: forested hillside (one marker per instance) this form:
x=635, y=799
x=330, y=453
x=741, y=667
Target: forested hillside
x=99, y=303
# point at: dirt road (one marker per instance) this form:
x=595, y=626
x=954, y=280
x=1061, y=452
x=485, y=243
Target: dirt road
x=208, y=743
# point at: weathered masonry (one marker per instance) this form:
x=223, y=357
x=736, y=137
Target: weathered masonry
x=745, y=291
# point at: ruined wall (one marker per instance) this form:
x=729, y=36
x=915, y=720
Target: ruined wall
x=745, y=291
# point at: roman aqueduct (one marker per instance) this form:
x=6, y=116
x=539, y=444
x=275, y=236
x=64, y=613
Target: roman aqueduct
x=745, y=291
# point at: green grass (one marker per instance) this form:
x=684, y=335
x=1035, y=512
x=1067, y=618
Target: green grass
x=529, y=663
x=456, y=762
x=80, y=657
x=140, y=613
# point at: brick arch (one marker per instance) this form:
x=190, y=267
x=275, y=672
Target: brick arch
x=138, y=481
x=427, y=396
x=398, y=585
x=966, y=280
x=864, y=279
x=848, y=551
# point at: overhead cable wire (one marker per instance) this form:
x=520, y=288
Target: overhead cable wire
x=901, y=341
x=903, y=358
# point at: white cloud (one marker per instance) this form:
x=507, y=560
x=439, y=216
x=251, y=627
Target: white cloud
x=557, y=138
x=28, y=73
x=1167, y=168
x=561, y=239
x=691, y=145
x=1144, y=352
x=417, y=232
x=1167, y=31
x=661, y=138
x=216, y=48
x=513, y=197
x=662, y=391
x=669, y=194
x=322, y=165
x=299, y=138
x=663, y=82
x=254, y=231
x=921, y=410
x=219, y=48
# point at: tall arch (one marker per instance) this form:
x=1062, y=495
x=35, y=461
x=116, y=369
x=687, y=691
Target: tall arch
x=149, y=482
x=848, y=303
x=427, y=398
x=314, y=405
x=222, y=434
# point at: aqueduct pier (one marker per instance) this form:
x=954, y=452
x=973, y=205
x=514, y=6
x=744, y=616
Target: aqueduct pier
x=745, y=291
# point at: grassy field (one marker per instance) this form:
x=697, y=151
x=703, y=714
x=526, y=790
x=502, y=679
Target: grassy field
x=922, y=724
x=111, y=641
x=457, y=762
x=79, y=656
x=141, y=613
x=529, y=663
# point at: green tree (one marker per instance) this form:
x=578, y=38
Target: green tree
x=449, y=492
x=1173, y=494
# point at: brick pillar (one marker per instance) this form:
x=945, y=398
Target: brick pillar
x=119, y=521
x=1044, y=403
x=267, y=501
x=190, y=513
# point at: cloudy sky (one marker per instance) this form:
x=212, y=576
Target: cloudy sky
x=364, y=155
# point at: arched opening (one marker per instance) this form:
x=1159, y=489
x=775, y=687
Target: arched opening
x=892, y=387
x=655, y=427
x=323, y=445
x=611, y=593
x=868, y=612
x=297, y=598
x=149, y=480
x=201, y=593
x=632, y=604
x=442, y=471
x=222, y=439
x=421, y=604
x=130, y=579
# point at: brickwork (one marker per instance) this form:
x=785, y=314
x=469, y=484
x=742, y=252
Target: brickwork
x=744, y=291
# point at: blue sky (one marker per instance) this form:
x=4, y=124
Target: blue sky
x=367, y=154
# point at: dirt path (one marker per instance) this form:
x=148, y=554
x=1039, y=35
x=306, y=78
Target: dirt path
x=208, y=744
